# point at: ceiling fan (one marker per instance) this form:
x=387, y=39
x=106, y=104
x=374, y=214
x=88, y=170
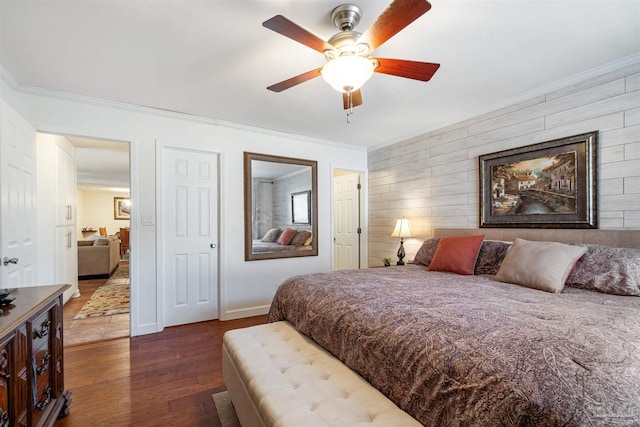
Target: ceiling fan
x=348, y=52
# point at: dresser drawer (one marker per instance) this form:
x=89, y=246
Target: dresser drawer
x=42, y=367
x=43, y=398
x=41, y=328
x=5, y=375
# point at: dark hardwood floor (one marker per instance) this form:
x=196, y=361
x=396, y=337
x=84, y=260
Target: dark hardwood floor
x=163, y=379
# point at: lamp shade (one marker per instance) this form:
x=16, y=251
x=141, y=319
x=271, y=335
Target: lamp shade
x=347, y=73
x=403, y=228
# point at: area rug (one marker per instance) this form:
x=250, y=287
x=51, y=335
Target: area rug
x=110, y=298
x=122, y=271
x=226, y=413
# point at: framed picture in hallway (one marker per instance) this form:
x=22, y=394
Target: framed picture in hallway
x=121, y=208
x=551, y=184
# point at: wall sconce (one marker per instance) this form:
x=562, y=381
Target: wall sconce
x=402, y=230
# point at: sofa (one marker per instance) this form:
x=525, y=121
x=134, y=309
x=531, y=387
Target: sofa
x=98, y=257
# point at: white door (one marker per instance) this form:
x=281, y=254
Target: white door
x=17, y=206
x=346, y=240
x=190, y=235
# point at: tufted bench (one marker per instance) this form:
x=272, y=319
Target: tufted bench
x=277, y=376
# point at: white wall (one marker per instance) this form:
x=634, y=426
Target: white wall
x=433, y=179
x=246, y=287
x=95, y=209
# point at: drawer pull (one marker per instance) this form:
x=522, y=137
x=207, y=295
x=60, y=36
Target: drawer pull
x=4, y=418
x=45, y=364
x=44, y=403
x=4, y=373
x=44, y=330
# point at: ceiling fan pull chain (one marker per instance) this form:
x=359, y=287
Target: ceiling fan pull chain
x=350, y=104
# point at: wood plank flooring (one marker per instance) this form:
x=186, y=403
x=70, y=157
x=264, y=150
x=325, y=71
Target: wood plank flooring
x=163, y=379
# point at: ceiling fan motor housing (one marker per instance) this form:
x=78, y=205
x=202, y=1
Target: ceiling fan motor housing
x=346, y=17
x=345, y=43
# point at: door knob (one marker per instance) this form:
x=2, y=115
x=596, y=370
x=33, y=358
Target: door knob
x=7, y=261
x=213, y=246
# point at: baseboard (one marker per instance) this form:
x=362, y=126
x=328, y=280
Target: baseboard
x=244, y=312
x=145, y=329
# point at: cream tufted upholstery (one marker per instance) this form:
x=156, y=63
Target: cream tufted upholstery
x=278, y=377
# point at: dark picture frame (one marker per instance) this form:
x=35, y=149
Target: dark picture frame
x=551, y=184
x=121, y=208
x=301, y=207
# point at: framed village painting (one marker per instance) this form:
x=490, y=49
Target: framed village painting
x=547, y=185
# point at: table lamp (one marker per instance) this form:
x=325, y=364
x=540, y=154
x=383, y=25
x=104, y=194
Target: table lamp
x=402, y=230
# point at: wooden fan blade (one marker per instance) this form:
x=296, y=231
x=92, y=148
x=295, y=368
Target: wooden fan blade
x=422, y=71
x=293, y=81
x=356, y=99
x=396, y=16
x=283, y=26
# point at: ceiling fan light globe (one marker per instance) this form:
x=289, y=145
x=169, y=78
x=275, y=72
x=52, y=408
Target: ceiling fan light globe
x=347, y=73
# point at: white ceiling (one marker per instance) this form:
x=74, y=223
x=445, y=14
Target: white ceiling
x=214, y=59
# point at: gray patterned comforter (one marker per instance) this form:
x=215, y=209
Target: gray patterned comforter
x=470, y=351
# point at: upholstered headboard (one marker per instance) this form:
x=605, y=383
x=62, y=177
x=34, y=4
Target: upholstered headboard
x=614, y=238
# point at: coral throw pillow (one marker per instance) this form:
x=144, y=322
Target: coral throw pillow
x=286, y=236
x=457, y=254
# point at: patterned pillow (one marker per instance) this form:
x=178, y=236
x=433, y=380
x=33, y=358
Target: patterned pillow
x=490, y=258
x=609, y=270
x=300, y=238
x=426, y=251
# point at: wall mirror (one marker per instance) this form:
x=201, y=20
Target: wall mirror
x=280, y=207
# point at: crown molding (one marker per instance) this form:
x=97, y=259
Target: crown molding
x=66, y=96
x=8, y=78
x=633, y=59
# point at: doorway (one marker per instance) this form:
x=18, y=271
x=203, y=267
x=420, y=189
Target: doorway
x=100, y=181
x=348, y=218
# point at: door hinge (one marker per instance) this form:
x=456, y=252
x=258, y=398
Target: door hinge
x=359, y=187
x=359, y=230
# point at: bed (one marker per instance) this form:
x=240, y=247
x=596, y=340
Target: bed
x=455, y=349
x=285, y=240
x=260, y=247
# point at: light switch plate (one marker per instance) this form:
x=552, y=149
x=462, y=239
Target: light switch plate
x=146, y=220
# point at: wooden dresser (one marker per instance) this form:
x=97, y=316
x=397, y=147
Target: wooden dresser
x=31, y=358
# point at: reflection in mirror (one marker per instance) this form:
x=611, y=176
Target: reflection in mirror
x=281, y=214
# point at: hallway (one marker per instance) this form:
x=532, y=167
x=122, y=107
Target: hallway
x=92, y=329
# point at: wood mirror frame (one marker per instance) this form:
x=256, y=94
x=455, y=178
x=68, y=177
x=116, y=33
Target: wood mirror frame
x=281, y=169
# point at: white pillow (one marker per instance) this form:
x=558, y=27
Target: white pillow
x=539, y=265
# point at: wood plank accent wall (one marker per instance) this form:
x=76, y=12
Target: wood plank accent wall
x=433, y=179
